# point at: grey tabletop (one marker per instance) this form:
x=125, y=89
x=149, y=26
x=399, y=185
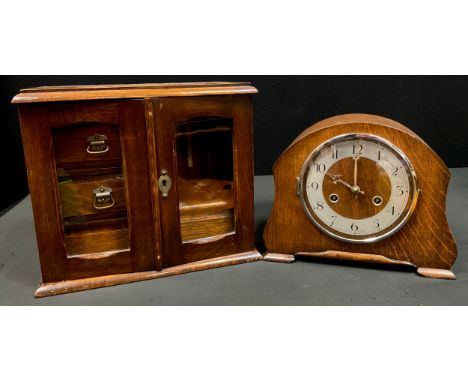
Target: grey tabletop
x=303, y=282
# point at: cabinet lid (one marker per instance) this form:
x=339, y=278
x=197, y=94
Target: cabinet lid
x=150, y=90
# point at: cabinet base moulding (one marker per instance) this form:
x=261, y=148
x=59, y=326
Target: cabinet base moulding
x=62, y=287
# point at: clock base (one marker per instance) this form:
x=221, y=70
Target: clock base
x=436, y=273
x=363, y=257
x=278, y=258
x=353, y=256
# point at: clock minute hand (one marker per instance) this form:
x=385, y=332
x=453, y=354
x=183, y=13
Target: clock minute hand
x=356, y=189
x=355, y=170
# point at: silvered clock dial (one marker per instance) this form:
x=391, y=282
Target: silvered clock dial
x=358, y=188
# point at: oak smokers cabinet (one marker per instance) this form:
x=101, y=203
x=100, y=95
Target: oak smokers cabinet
x=134, y=182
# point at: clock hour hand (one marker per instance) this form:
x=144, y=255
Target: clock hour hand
x=337, y=179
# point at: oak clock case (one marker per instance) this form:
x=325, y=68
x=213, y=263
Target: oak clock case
x=134, y=182
x=365, y=188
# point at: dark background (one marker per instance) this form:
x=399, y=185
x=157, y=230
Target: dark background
x=435, y=107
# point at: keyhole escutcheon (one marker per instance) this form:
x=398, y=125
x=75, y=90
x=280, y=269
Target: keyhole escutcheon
x=164, y=183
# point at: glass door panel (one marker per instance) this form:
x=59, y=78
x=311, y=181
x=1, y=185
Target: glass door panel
x=205, y=186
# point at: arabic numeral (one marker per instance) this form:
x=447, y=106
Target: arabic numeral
x=354, y=227
x=392, y=210
x=400, y=190
x=395, y=172
x=357, y=149
x=319, y=206
x=333, y=220
x=314, y=186
x=376, y=223
x=320, y=167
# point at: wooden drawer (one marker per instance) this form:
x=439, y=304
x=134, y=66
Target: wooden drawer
x=92, y=198
x=87, y=145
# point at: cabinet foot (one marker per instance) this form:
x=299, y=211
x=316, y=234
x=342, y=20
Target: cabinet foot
x=436, y=273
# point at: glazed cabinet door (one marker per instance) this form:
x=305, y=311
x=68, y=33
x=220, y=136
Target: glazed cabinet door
x=86, y=172
x=203, y=176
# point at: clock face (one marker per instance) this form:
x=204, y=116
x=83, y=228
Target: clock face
x=358, y=188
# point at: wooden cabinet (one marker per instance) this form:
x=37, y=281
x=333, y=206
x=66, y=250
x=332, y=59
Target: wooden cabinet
x=133, y=182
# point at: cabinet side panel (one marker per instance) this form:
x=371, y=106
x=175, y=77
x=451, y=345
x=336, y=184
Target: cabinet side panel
x=42, y=178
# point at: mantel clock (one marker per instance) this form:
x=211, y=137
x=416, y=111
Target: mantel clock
x=366, y=188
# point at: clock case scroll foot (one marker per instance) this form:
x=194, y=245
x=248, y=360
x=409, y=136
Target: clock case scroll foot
x=435, y=273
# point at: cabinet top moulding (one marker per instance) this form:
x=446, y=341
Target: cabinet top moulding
x=100, y=92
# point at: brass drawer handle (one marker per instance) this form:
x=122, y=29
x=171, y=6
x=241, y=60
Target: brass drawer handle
x=103, y=198
x=97, y=144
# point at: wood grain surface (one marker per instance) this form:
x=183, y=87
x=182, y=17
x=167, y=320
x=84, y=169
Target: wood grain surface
x=97, y=242
x=206, y=208
x=43, y=186
x=101, y=92
x=372, y=178
x=71, y=144
x=77, y=199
